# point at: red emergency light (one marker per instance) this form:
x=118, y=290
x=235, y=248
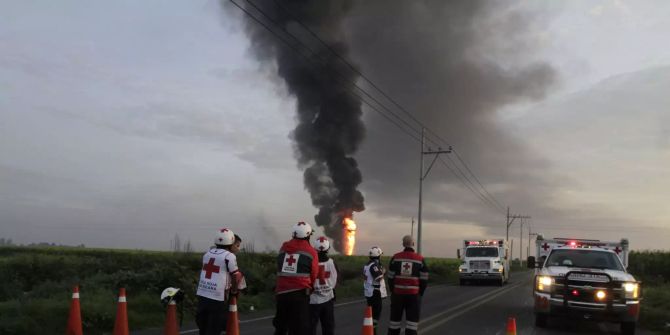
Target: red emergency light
x=485, y=242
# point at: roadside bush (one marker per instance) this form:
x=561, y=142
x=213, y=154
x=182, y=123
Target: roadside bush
x=653, y=267
x=37, y=283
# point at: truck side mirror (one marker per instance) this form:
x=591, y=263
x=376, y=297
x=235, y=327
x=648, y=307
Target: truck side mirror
x=531, y=262
x=458, y=253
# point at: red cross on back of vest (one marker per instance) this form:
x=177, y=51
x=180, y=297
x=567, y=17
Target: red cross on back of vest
x=323, y=274
x=210, y=268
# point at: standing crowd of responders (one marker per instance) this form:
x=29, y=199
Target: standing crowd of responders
x=305, y=286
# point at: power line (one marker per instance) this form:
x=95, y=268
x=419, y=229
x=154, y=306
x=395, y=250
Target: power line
x=487, y=199
x=316, y=55
x=376, y=87
x=478, y=195
x=311, y=63
x=352, y=67
x=478, y=182
x=473, y=187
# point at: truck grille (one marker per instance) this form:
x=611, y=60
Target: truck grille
x=480, y=265
x=586, y=290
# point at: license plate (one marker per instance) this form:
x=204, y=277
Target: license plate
x=588, y=277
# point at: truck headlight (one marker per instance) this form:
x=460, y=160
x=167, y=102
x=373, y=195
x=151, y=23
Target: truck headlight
x=632, y=290
x=460, y=269
x=543, y=283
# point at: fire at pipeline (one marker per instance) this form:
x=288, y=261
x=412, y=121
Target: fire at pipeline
x=348, y=236
x=329, y=129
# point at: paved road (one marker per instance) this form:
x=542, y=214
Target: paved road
x=475, y=309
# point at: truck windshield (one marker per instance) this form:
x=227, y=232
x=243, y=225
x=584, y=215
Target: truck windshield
x=584, y=258
x=481, y=252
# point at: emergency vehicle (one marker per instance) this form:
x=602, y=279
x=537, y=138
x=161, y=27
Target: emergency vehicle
x=586, y=279
x=484, y=260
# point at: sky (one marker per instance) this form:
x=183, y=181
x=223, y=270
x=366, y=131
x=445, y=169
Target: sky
x=125, y=123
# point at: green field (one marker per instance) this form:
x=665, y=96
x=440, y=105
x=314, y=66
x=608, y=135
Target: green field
x=37, y=283
x=653, y=269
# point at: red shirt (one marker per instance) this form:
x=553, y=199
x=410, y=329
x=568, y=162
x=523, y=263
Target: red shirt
x=297, y=266
x=408, y=273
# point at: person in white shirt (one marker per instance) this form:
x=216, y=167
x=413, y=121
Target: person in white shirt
x=374, y=286
x=322, y=299
x=219, y=278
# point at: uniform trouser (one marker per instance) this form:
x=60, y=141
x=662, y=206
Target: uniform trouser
x=411, y=305
x=292, y=316
x=326, y=313
x=211, y=316
x=375, y=301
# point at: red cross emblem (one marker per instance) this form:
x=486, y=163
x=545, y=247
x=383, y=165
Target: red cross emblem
x=323, y=274
x=407, y=266
x=545, y=246
x=617, y=250
x=322, y=239
x=224, y=230
x=301, y=223
x=210, y=268
x=290, y=260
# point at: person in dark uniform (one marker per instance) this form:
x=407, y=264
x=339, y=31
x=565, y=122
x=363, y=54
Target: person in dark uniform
x=297, y=270
x=408, y=279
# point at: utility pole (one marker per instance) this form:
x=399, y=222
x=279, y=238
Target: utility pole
x=510, y=220
x=513, y=217
x=412, y=231
x=521, y=241
x=423, y=176
x=529, y=235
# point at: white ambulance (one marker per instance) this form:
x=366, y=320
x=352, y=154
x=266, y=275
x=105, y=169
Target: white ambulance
x=587, y=279
x=484, y=260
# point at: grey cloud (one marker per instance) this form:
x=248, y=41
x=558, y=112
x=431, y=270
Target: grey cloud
x=430, y=56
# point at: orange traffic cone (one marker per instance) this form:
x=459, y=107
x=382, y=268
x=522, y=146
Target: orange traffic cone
x=368, y=327
x=171, y=326
x=511, y=326
x=121, y=324
x=74, y=320
x=233, y=327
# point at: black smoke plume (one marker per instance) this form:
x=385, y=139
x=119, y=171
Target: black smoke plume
x=456, y=66
x=329, y=129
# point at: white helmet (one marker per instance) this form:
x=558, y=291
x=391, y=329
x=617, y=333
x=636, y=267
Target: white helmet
x=375, y=251
x=322, y=244
x=302, y=230
x=224, y=236
x=171, y=294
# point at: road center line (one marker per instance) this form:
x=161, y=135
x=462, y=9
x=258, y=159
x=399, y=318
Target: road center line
x=272, y=316
x=465, y=307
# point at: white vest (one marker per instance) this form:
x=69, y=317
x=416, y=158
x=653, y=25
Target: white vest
x=325, y=283
x=215, y=274
x=368, y=285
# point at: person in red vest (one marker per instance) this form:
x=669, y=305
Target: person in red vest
x=408, y=279
x=297, y=270
x=219, y=277
x=322, y=300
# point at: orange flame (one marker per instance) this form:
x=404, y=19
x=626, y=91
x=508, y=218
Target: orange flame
x=349, y=232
